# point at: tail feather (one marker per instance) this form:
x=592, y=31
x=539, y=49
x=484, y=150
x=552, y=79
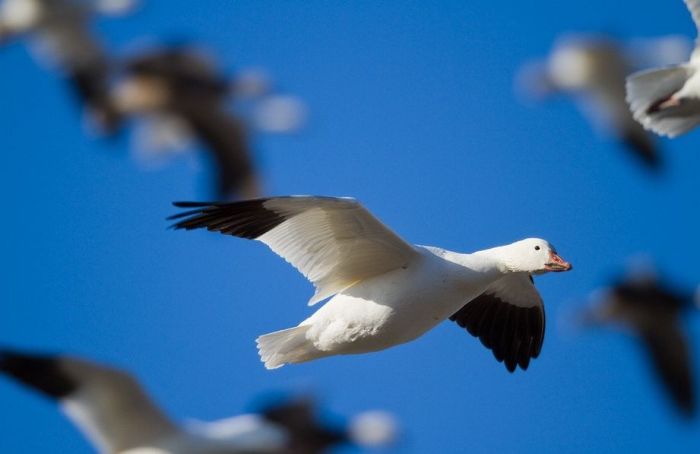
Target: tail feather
x=651, y=88
x=286, y=346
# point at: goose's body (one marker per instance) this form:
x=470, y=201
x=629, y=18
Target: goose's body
x=113, y=411
x=401, y=305
x=383, y=291
x=667, y=100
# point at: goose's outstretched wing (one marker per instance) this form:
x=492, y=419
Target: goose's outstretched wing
x=334, y=242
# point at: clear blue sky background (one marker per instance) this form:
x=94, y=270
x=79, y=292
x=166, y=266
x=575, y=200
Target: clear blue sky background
x=412, y=112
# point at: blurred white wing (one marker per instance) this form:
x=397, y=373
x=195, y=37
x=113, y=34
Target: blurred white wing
x=280, y=114
x=158, y=137
x=116, y=7
x=248, y=431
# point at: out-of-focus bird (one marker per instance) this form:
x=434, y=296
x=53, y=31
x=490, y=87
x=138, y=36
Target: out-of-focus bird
x=183, y=96
x=385, y=291
x=667, y=100
x=60, y=32
x=296, y=421
x=117, y=416
x=593, y=68
x=652, y=312
x=182, y=86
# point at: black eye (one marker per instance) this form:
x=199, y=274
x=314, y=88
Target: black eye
x=537, y=248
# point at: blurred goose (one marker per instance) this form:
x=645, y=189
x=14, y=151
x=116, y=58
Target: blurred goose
x=182, y=85
x=384, y=291
x=118, y=417
x=667, y=100
x=179, y=95
x=296, y=423
x=60, y=30
x=593, y=68
x=653, y=313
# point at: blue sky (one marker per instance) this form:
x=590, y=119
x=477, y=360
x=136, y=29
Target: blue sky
x=412, y=112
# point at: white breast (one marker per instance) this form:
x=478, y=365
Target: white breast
x=396, y=307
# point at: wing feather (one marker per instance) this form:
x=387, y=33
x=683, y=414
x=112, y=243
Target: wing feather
x=508, y=319
x=333, y=242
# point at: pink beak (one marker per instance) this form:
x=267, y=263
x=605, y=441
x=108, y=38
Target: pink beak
x=556, y=263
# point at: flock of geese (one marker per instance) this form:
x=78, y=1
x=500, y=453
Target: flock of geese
x=377, y=289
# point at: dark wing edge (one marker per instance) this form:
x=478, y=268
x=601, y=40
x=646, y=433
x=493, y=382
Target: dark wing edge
x=514, y=334
x=250, y=218
x=643, y=147
x=670, y=354
x=42, y=373
x=247, y=219
x=306, y=432
x=226, y=139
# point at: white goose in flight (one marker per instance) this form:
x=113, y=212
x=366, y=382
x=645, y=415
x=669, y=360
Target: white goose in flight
x=118, y=417
x=667, y=100
x=385, y=291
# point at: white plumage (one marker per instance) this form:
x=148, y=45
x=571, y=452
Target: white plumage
x=334, y=243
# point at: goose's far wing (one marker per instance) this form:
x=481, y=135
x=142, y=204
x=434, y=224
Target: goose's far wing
x=508, y=318
x=333, y=242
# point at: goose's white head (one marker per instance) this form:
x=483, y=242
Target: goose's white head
x=571, y=64
x=532, y=255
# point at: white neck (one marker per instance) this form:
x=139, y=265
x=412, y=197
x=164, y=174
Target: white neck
x=489, y=261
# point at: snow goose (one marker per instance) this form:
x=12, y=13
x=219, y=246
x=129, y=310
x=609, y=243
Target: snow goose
x=652, y=312
x=180, y=88
x=667, y=100
x=60, y=30
x=593, y=68
x=179, y=95
x=384, y=291
x=118, y=417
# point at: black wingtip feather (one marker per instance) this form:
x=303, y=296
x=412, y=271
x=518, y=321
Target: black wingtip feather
x=245, y=219
x=42, y=373
x=191, y=204
x=644, y=148
x=514, y=334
